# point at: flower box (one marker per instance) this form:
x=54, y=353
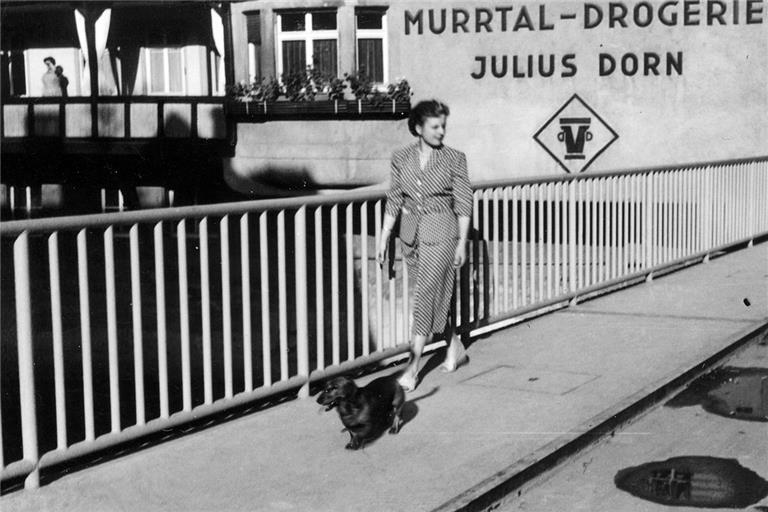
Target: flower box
x=261, y=111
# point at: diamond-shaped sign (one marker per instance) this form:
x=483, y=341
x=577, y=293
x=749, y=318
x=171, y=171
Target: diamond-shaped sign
x=575, y=135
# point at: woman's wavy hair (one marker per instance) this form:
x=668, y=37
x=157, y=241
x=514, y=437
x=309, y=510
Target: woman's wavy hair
x=423, y=110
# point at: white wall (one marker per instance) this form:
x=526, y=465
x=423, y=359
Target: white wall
x=717, y=108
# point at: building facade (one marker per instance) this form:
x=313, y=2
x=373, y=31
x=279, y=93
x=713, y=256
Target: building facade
x=535, y=88
x=660, y=82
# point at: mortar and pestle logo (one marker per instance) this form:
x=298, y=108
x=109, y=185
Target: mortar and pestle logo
x=574, y=144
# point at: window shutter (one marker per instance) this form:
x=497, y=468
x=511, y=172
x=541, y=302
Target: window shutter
x=253, y=27
x=294, y=57
x=370, y=55
x=324, y=55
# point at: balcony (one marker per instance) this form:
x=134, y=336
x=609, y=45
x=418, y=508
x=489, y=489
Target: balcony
x=115, y=124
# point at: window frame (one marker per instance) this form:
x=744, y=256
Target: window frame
x=308, y=35
x=166, y=71
x=377, y=33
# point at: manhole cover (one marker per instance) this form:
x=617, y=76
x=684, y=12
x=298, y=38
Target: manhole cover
x=530, y=379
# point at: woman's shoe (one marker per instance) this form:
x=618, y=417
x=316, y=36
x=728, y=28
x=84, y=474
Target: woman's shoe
x=408, y=382
x=450, y=366
x=454, y=358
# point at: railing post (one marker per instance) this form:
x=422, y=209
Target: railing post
x=85, y=334
x=26, y=358
x=186, y=375
x=572, y=236
x=350, y=278
x=751, y=224
x=226, y=305
x=266, y=344
x=282, y=296
x=245, y=288
x=335, y=284
x=111, y=299
x=707, y=208
x=58, y=343
x=319, y=291
x=205, y=311
x=302, y=288
x=138, y=330
x=505, y=246
x=162, y=333
x=377, y=216
x=365, y=320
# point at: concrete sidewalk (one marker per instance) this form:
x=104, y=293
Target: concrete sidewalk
x=526, y=390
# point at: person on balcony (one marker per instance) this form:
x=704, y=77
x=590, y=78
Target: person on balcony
x=431, y=193
x=63, y=81
x=51, y=83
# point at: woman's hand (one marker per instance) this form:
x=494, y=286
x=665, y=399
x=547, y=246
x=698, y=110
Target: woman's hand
x=460, y=256
x=381, y=252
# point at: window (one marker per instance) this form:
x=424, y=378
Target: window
x=371, y=36
x=165, y=71
x=307, y=38
x=253, y=32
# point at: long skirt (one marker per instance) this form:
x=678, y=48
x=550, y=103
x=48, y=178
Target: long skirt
x=431, y=266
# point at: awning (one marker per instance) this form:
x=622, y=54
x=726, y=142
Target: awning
x=161, y=25
x=38, y=26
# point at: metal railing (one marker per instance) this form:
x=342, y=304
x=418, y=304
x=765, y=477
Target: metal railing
x=121, y=325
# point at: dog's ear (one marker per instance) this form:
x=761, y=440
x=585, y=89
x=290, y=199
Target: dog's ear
x=339, y=381
x=348, y=387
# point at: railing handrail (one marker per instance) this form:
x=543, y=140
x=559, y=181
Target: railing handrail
x=617, y=173
x=71, y=222
x=77, y=100
x=15, y=227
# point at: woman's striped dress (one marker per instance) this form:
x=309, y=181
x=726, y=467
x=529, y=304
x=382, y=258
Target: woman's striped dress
x=429, y=201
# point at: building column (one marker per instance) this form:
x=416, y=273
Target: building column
x=268, y=50
x=347, y=44
x=229, y=49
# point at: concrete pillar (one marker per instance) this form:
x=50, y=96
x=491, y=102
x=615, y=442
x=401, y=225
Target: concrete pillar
x=347, y=44
x=268, y=49
x=240, y=47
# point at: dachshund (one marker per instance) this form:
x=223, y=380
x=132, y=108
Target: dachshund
x=365, y=411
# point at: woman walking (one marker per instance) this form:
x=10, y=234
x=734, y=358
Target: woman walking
x=430, y=191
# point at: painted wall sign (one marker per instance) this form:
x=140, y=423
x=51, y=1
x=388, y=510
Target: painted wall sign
x=679, y=81
x=586, y=16
x=575, y=135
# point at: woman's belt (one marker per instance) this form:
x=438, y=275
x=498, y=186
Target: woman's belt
x=431, y=204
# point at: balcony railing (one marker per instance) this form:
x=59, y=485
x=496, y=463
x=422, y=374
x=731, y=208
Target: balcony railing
x=121, y=325
x=115, y=118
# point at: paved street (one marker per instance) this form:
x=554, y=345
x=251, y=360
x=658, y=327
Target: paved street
x=587, y=482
